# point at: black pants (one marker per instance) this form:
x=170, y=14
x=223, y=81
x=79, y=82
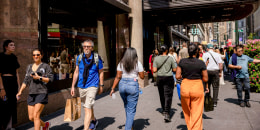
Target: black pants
x=214, y=82
x=165, y=88
x=8, y=108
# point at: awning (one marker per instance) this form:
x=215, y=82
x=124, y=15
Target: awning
x=120, y=5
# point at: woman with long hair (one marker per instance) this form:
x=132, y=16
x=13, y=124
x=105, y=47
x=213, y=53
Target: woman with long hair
x=193, y=71
x=128, y=70
x=163, y=65
x=9, y=82
x=37, y=76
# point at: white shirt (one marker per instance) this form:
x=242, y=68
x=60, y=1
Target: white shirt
x=133, y=73
x=212, y=64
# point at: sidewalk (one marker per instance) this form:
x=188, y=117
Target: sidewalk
x=228, y=115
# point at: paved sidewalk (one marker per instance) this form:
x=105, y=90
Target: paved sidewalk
x=228, y=115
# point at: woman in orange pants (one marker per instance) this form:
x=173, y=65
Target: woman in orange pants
x=193, y=71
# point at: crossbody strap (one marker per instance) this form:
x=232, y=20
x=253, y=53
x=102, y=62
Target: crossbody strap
x=213, y=58
x=162, y=64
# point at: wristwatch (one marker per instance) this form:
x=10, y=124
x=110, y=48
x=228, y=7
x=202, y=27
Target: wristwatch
x=40, y=78
x=102, y=85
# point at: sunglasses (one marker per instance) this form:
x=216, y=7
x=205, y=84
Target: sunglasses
x=36, y=54
x=87, y=46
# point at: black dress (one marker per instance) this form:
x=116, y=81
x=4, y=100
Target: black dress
x=8, y=108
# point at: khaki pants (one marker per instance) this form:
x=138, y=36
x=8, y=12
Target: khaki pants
x=90, y=94
x=64, y=68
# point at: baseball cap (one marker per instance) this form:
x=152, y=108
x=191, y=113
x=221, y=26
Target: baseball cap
x=209, y=46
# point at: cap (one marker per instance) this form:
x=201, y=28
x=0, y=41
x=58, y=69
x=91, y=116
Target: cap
x=210, y=46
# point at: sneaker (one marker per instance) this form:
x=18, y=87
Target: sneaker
x=242, y=104
x=47, y=126
x=167, y=118
x=93, y=124
x=248, y=104
x=164, y=113
x=215, y=105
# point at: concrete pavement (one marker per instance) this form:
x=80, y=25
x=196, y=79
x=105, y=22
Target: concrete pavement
x=228, y=115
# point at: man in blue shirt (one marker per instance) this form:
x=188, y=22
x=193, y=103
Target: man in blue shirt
x=90, y=76
x=242, y=76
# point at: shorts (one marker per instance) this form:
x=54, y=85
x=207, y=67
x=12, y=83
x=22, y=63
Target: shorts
x=90, y=94
x=37, y=98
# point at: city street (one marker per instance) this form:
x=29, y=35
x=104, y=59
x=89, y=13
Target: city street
x=228, y=115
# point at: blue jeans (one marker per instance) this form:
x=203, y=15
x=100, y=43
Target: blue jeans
x=239, y=83
x=174, y=77
x=129, y=92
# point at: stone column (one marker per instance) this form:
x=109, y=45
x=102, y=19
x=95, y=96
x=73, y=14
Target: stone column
x=101, y=44
x=137, y=27
x=137, y=31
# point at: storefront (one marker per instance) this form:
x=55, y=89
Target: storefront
x=68, y=24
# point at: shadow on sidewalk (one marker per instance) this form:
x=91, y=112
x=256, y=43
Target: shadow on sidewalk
x=64, y=126
x=139, y=124
x=103, y=123
x=172, y=111
x=182, y=127
x=231, y=100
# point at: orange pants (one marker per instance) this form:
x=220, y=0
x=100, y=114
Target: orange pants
x=192, y=102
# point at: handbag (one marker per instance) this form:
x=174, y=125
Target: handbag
x=72, y=109
x=155, y=73
x=208, y=103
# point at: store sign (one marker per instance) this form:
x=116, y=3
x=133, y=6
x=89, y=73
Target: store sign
x=53, y=32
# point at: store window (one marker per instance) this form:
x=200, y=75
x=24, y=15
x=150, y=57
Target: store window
x=64, y=44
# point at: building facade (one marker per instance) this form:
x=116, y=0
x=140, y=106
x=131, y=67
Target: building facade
x=55, y=24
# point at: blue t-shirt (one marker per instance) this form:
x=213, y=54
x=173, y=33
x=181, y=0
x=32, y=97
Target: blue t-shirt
x=243, y=62
x=93, y=78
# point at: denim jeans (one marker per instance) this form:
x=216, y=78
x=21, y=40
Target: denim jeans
x=174, y=76
x=129, y=92
x=239, y=83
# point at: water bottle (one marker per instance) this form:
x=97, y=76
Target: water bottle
x=5, y=99
x=113, y=96
x=140, y=91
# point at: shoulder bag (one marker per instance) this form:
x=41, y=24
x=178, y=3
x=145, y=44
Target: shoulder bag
x=155, y=73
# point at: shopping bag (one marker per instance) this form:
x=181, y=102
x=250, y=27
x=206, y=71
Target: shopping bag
x=72, y=109
x=179, y=90
x=208, y=103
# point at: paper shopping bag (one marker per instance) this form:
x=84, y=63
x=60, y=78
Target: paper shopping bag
x=72, y=109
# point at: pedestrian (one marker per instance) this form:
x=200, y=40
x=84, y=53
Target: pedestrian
x=183, y=52
x=193, y=71
x=173, y=55
x=151, y=66
x=242, y=76
x=214, y=68
x=221, y=79
x=234, y=62
x=37, y=76
x=64, y=59
x=9, y=82
x=151, y=59
x=164, y=66
x=128, y=70
x=90, y=76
